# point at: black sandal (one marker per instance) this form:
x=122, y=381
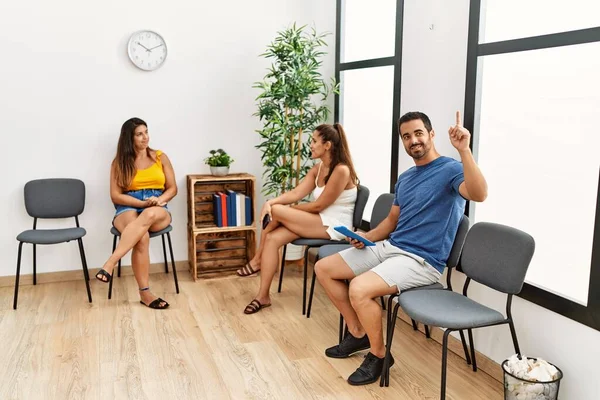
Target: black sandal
x=246, y=270
x=102, y=274
x=254, y=307
x=155, y=304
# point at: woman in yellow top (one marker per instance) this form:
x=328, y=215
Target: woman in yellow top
x=142, y=182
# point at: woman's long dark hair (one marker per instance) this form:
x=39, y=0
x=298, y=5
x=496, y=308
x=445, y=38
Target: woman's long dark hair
x=124, y=161
x=340, y=152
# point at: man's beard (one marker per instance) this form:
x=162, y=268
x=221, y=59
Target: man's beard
x=417, y=152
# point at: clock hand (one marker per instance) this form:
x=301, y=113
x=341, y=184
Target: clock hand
x=143, y=46
x=154, y=47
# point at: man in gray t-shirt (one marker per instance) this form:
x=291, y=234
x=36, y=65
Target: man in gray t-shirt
x=412, y=243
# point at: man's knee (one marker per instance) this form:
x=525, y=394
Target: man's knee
x=325, y=266
x=359, y=291
x=321, y=268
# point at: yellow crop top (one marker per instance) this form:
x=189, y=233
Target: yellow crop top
x=152, y=177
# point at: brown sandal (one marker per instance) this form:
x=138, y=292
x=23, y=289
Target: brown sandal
x=255, y=307
x=246, y=270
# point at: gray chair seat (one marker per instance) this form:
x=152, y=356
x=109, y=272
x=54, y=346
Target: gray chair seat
x=50, y=236
x=317, y=242
x=433, y=286
x=447, y=309
x=331, y=249
x=169, y=228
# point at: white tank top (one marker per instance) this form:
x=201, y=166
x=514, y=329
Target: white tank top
x=341, y=211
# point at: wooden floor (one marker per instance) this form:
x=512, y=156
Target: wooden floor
x=58, y=346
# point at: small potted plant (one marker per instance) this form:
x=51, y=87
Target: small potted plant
x=219, y=162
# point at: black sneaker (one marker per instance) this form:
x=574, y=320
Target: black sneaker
x=349, y=346
x=369, y=371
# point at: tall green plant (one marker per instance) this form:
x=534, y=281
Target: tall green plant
x=291, y=105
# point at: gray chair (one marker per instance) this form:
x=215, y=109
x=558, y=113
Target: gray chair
x=494, y=255
x=362, y=197
x=451, y=263
x=380, y=211
x=53, y=199
x=162, y=233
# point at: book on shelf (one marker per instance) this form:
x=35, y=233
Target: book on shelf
x=231, y=208
x=217, y=210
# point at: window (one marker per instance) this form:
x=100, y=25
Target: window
x=368, y=66
x=534, y=103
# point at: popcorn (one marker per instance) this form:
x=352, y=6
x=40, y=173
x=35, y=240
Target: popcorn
x=529, y=371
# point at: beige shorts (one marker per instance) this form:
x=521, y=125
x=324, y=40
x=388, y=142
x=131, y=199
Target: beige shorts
x=395, y=266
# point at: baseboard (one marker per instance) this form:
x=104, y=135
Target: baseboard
x=77, y=274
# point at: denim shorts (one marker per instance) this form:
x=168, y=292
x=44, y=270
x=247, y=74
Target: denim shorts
x=142, y=194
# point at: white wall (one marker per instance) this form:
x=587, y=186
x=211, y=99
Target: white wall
x=433, y=81
x=66, y=86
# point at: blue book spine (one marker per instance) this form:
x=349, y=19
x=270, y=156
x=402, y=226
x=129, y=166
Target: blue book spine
x=231, y=195
x=248, y=202
x=217, y=211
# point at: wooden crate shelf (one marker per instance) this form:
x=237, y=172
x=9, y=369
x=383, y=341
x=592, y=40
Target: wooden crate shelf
x=220, y=252
x=214, y=250
x=202, y=187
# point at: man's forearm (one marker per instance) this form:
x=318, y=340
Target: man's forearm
x=382, y=231
x=474, y=179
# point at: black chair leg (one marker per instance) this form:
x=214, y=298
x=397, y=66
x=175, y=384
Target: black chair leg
x=119, y=266
x=34, y=266
x=464, y=344
x=389, y=315
x=415, y=325
x=281, y=269
x=110, y=284
x=165, y=254
x=341, y=333
x=513, y=333
x=472, y=344
x=173, y=263
x=17, y=276
x=382, y=303
x=427, y=333
x=385, y=372
x=305, y=283
x=444, y=362
x=85, y=270
x=312, y=293
x=389, y=325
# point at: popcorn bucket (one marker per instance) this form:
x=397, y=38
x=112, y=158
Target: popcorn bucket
x=516, y=388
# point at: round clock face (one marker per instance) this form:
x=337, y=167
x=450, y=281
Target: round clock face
x=147, y=50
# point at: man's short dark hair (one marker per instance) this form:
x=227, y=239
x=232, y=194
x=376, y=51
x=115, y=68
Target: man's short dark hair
x=411, y=116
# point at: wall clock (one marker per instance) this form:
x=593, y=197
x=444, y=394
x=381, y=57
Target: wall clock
x=147, y=50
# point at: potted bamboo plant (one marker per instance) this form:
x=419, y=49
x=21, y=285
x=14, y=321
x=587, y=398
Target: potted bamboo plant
x=291, y=104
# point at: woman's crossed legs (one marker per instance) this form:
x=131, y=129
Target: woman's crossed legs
x=135, y=236
x=289, y=224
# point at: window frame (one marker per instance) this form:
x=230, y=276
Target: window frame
x=396, y=62
x=588, y=315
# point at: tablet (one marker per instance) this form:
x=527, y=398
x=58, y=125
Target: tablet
x=345, y=231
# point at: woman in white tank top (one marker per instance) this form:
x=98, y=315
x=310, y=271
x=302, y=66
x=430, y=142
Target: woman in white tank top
x=333, y=184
